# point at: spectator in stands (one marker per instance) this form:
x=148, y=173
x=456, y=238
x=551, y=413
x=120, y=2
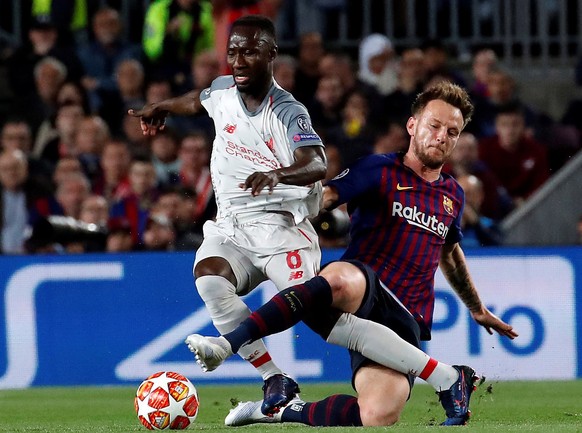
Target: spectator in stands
x=164, y=150
x=341, y=65
x=194, y=153
x=113, y=182
x=71, y=92
x=67, y=121
x=310, y=51
x=484, y=61
x=40, y=102
x=130, y=81
x=502, y=90
x=437, y=62
x=205, y=68
x=21, y=201
x=119, y=236
x=101, y=56
x=91, y=135
x=136, y=206
x=411, y=77
x=392, y=138
x=70, y=18
x=177, y=204
x=353, y=137
x=70, y=194
x=284, y=70
x=42, y=43
x=465, y=161
x=174, y=32
x=159, y=234
x=16, y=134
x=95, y=210
x=128, y=92
x=326, y=105
x=64, y=167
x=189, y=232
x=478, y=230
x=519, y=161
x=377, y=63
x=159, y=89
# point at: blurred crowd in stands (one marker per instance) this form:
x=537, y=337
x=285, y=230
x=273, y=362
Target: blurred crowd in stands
x=77, y=175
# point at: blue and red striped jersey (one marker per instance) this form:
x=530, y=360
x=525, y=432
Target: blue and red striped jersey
x=399, y=223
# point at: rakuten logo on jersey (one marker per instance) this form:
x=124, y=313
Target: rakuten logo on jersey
x=420, y=219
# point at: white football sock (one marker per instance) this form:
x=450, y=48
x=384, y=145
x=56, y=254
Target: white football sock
x=384, y=346
x=227, y=311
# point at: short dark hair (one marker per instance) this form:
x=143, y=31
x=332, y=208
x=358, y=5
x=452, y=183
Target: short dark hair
x=448, y=92
x=259, y=21
x=512, y=107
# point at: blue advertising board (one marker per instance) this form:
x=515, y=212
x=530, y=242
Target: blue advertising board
x=116, y=318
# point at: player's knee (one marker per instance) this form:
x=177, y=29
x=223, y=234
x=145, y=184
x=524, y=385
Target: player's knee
x=348, y=285
x=215, y=266
x=378, y=415
x=212, y=288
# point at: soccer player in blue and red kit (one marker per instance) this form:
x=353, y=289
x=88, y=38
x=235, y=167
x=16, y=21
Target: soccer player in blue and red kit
x=378, y=299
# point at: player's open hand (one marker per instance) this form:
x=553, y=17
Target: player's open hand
x=151, y=119
x=491, y=323
x=259, y=181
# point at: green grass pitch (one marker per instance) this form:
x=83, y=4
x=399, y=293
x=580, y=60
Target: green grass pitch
x=545, y=407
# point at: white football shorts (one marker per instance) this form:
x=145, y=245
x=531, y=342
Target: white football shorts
x=271, y=248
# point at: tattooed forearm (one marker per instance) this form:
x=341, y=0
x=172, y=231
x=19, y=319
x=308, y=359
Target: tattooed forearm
x=455, y=270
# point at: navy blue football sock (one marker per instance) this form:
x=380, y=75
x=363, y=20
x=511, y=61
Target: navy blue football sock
x=284, y=310
x=336, y=410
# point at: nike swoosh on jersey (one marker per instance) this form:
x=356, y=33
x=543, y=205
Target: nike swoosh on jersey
x=403, y=188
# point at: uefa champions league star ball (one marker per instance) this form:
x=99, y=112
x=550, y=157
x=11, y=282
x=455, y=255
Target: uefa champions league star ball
x=166, y=400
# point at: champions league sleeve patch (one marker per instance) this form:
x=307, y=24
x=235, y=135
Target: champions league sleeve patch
x=305, y=137
x=303, y=123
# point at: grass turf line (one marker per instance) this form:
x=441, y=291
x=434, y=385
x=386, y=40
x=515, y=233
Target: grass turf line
x=497, y=407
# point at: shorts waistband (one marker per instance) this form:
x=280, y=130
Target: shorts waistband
x=251, y=217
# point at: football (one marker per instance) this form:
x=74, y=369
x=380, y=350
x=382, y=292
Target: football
x=166, y=400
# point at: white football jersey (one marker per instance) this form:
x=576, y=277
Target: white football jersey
x=263, y=140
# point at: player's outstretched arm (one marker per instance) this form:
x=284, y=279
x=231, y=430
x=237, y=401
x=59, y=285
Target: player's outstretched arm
x=153, y=116
x=455, y=270
x=310, y=166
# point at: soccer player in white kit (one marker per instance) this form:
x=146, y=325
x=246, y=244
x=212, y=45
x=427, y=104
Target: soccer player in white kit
x=266, y=166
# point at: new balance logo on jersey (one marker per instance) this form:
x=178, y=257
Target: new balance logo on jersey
x=295, y=275
x=229, y=128
x=420, y=219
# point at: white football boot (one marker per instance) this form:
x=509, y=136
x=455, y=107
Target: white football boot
x=210, y=352
x=249, y=412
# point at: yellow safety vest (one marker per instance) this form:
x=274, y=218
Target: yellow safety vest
x=80, y=14
x=156, y=20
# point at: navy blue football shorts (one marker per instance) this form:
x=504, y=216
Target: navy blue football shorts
x=381, y=307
